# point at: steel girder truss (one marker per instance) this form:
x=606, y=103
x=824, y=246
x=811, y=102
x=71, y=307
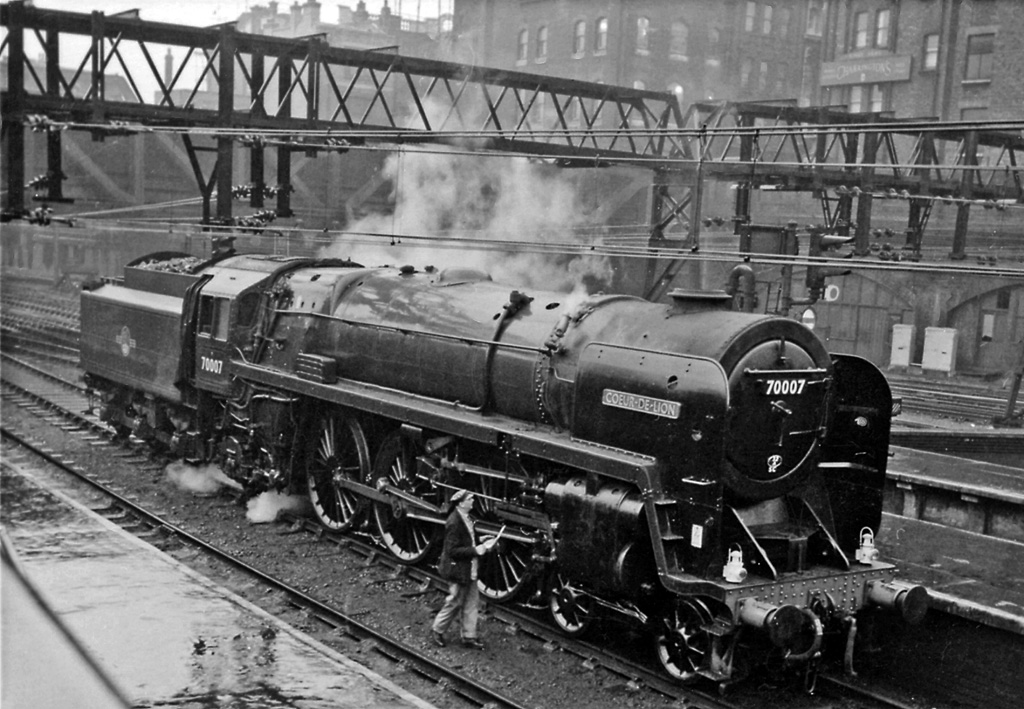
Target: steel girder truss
x=301, y=94
x=263, y=92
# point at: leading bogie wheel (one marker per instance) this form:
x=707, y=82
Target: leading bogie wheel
x=340, y=453
x=571, y=609
x=409, y=538
x=681, y=641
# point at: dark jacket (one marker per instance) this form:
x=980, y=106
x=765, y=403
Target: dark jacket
x=458, y=552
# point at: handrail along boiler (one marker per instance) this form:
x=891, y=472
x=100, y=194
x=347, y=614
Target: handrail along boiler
x=701, y=471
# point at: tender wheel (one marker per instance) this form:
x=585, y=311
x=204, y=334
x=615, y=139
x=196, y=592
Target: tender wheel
x=408, y=538
x=682, y=644
x=571, y=609
x=341, y=454
x=504, y=572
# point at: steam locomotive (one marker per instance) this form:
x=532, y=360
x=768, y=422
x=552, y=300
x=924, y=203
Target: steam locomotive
x=714, y=476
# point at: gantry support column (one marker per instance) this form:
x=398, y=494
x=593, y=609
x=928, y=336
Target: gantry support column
x=14, y=123
x=54, y=146
x=861, y=235
x=963, y=209
x=284, y=153
x=225, y=107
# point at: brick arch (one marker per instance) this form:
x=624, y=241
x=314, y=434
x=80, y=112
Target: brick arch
x=990, y=326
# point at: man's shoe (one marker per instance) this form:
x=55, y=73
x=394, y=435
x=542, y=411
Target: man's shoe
x=437, y=638
x=472, y=643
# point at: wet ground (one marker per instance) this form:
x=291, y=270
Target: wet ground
x=164, y=634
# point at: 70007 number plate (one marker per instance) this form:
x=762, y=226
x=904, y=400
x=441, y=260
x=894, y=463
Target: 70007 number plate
x=784, y=387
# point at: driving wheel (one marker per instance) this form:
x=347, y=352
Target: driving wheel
x=407, y=535
x=341, y=454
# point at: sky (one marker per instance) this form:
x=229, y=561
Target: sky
x=211, y=12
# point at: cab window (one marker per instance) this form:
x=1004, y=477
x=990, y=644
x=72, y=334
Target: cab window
x=213, y=317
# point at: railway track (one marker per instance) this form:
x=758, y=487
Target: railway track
x=144, y=523
x=942, y=400
x=60, y=402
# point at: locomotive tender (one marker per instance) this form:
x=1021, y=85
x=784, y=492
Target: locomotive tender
x=698, y=470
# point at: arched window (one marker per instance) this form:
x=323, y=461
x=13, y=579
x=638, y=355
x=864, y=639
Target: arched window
x=601, y=35
x=643, y=35
x=542, y=44
x=523, y=48
x=766, y=22
x=579, y=38
x=714, y=42
x=750, y=16
x=680, y=40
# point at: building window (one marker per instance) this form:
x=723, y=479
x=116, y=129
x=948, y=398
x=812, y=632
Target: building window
x=930, y=60
x=748, y=20
x=762, y=76
x=680, y=39
x=785, y=17
x=745, y=69
x=643, y=35
x=766, y=20
x=601, y=35
x=579, y=38
x=541, y=52
x=860, y=30
x=781, y=79
x=523, y=51
x=980, y=48
x=882, y=20
x=814, y=18
x=856, y=103
x=877, y=102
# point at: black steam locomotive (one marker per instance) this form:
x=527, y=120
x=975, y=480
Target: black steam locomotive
x=701, y=471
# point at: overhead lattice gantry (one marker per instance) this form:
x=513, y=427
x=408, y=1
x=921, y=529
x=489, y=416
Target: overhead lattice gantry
x=300, y=94
x=221, y=89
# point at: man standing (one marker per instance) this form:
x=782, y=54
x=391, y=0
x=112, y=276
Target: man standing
x=458, y=565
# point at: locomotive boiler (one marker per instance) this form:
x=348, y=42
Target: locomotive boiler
x=712, y=475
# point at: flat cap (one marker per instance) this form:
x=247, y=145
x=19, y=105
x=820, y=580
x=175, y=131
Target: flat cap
x=460, y=495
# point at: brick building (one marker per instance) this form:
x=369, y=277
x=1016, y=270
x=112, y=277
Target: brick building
x=701, y=50
x=948, y=59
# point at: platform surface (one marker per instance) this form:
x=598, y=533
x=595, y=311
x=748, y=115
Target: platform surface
x=164, y=634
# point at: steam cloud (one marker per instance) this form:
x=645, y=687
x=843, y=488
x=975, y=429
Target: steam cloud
x=482, y=198
x=204, y=480
x=267, y=505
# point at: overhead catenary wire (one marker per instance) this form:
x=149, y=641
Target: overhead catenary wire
x=570, y=249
